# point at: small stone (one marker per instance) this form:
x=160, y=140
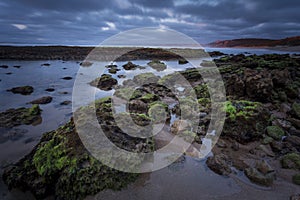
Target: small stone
x=46, y=64
x=86, y=64
x=67, y=78
x=50, y=90
x=64, y=103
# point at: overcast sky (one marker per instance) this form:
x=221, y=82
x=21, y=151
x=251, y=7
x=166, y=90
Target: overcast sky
x=89, y=22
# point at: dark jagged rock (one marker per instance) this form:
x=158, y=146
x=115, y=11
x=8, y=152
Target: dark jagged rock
x=50, y=90
x=4, y=66
x=130, y=66
x=67, y=78
x=24, y=90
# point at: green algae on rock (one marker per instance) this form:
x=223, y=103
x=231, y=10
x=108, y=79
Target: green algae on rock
x=275, y=132
x=61, y=166
x=19, y=116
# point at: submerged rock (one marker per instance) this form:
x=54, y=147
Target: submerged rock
x=42, y=100
x=24, y=90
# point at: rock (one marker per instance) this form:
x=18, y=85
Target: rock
x=275, y=132
x=130, y=66
x=67, y=78
x=46, y=64
x=182, y=61
x=221, y=143
x=179, y=126
x=259, y=85
x=276, y=146
x=296, y=110
x=235, y=146
x=157, y=65
x=294, y=141
x=267, y=140
x=42, y=100
x=64, y=103
x=105, y=82
x=234, y=85
x=19, y=116
x=219, y=164
x=296, y=179
x=24, y=90
x=121, y=76
x=145, y=78
x=17, y=66
x=50, y=90
x=3, y=66
x=280, y=77
x=257, y=177
x=264, y=167
x=291, y=161
x=285, y=108
x=295, y=197
x=86, y=64
x=112, y=69
x=266, y=149
x=8, y=73
x=137, y=106
x=295, y=122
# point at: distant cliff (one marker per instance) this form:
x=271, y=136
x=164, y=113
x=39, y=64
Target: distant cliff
x=256, y=42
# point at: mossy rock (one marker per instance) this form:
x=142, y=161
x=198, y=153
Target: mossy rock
x=157, y=65
x=275, y=132
x=296, y=179
x=296, y=109
x=158, y=111
x=61, y=166
x=291, y=161
x=19, y=116
x=145, y=78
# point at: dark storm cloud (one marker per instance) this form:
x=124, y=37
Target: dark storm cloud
x=92, y=21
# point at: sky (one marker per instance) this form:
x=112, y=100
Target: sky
x=89, y=22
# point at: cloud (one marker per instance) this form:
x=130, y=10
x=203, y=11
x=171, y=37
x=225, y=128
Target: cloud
x=20, y=26
x=92, y=21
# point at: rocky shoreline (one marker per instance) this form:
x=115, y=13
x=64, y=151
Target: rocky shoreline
x=261, y=134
